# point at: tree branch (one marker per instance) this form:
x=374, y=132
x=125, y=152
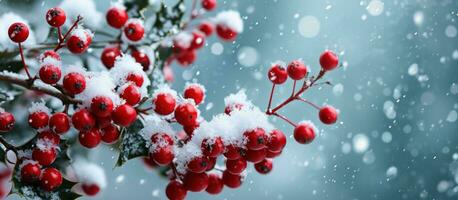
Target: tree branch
x=31, y=84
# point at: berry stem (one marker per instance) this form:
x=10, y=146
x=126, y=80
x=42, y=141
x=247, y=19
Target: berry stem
x=61, y=41
x=308, y=102
x=23, y=60
x=175, y=171
x=270, y=98
x=285, y=118
x=59, y=33
x=294, y=88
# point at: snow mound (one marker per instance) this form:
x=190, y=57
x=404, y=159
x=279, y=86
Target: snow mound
x=230, y=19
x=85, y=8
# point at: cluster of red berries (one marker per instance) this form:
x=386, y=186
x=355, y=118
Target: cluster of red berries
x=305, y=132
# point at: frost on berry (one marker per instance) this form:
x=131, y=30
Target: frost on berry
x=99, y=85
x=123, y=67
x=228, y=24
x=86, y=173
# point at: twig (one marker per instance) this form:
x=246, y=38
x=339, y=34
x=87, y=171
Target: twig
x=26, y=83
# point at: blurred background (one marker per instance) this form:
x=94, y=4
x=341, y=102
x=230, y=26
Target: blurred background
x=397, y=91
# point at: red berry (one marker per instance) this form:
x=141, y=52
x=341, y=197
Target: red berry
x=159, y=138
x=272, y=154
x=38, y=119
x=255, y=156
x=189, y=130
x=209, y=4
x=6, y=121
x=110, y=134
x=49, y=54
x=304, y=133
x=91, y=138
x=45, y=156
x=212, y=147
x=175, y=191
x=163, y=155
x=51, y=179
x=134, y=30
x=186, y=114
x=195, y=182
x=103, y=122
x=83, y=120
x=328, y=115
x=59, y=123
x=49, y=136
x=102, y=106
x=50, y=73
x=206, y=28
x=117, y=17
x=135, y=78
x=225, y=32
x=236, y=166
x=195, y=92
x=56, y=17
x=90, y=189
x=186, y=58
x=198, y=40
x=164, y=104
x=18, y=32
x=131, y=94
x=74, y=83
x=79, y=42
x=277, y=141
x=232, y=152
x=109, y=56
x=329, y=60
x=198, y=164
x=215, y=184
x=297, y=70
x=211, y=163
x=256, y=139
x=141, y=58
x=264, y=167
x=277, y=74
x=30, y=172
x=124, y=115
x=232, y=180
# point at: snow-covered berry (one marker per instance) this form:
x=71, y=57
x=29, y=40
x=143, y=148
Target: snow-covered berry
x=186, y=114
x=79, y=40
x=56, y=17
x=297, y=70
x=276, y=141
x=164, y=103
x=198, y=164
x=48, y=135
x=328, y=115
x=117, y=16
x=50, y=73
x=212, y=147
x=74, y=83
x=163, y=155
x=304, y=132
x=255, y=139
x=18, y=32
x=277, y=74
x=135, y=78
x=131, y=94
x=198, y=40
x=46, y=154
x=228, y=25
x=50, y=55
x=109, y=55
x=195, y=92
x=134, y=30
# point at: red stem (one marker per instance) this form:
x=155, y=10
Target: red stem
x=308, y=102
x=23, y=60
x=59, y=33
x=285, y=118
x=270, y=98
x=294, y=88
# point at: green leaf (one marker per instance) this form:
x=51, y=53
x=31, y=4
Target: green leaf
x=138, y=5
x=133, y=145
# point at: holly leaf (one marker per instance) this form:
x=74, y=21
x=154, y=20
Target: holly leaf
x=138, y=5
x=133, y=145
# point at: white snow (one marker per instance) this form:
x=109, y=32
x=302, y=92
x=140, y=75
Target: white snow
x=183, y=39
x=82, y=33
x=237, y=98
x=46, y=144
x=39, y=107
x=154, y=124
x=99, y=84
x=164, y=89
x=86, y=8
x=86, y=173
x=125, y=65
x=5, y=21
x=230, y=19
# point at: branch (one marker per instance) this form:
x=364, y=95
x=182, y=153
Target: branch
x=23, y=81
